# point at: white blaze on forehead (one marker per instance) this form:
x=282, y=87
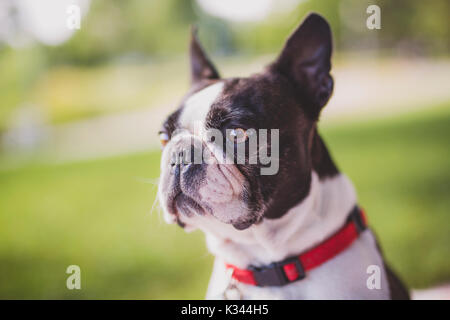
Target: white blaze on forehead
x=198, y=105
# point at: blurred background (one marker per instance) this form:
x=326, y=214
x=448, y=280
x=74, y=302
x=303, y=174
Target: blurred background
x=80, y=110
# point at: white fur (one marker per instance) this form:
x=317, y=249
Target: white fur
x=198, y=105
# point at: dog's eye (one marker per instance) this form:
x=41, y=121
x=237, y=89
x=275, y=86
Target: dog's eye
x=163, y=138
x=237, y=135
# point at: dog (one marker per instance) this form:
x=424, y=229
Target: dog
x=295, y=234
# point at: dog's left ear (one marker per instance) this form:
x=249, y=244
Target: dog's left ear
x=306, y=60
x=201, y=67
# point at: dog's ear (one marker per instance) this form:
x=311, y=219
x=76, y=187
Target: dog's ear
x=201, y=67
x=306, y=60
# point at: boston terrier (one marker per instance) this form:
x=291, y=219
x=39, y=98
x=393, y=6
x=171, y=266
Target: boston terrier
x=288, y=229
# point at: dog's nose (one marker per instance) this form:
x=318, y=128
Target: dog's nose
x=175, y=168
x=176, y=158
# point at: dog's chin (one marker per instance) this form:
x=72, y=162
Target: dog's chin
x=184, y=209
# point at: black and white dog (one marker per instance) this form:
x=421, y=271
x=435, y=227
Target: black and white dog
x=295, y=234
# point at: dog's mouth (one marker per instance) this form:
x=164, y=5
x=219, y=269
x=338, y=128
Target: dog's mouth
x=183, y=205
x=220, y=193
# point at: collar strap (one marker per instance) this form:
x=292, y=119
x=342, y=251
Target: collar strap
x=294, y=268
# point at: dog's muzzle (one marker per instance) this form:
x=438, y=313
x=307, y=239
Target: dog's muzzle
x=191, y=185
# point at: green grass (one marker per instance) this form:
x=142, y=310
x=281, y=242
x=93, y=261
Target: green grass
x=96, y=214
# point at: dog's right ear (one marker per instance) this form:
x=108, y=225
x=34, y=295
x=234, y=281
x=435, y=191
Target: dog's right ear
x=201, y=66
x=306, y=61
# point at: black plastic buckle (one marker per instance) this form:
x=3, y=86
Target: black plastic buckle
x=356, y=217
x=274, y=275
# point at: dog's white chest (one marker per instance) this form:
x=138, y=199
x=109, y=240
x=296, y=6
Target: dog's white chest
x=343, y=277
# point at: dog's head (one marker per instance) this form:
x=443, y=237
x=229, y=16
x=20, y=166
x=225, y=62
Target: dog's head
x=240, y=150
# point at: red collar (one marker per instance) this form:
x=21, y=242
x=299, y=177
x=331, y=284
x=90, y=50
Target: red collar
x=294, y=268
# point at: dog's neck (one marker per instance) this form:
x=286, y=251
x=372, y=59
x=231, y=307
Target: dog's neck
x=317, y=217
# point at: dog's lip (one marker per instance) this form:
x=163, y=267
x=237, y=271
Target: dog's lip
x=174, y=210
x=200, y=209
x=245, y=224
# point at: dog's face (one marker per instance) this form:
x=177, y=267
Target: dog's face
x=286, y=98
